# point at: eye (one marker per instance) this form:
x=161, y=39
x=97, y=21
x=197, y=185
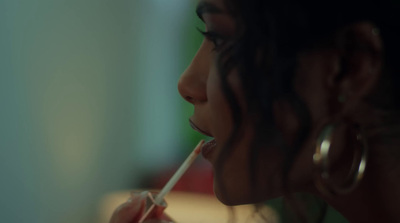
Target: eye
x=217, y=39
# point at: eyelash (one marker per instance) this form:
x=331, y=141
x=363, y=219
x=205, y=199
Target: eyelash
x=214, y=37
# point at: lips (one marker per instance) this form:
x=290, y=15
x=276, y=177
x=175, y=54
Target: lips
x=209, y=146
x=194, y=126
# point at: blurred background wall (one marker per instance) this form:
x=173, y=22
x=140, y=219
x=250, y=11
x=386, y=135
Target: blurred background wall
x=88, y=101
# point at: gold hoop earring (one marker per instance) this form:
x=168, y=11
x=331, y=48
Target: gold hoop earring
x=321, y=160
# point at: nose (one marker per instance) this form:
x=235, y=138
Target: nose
x=192, y=84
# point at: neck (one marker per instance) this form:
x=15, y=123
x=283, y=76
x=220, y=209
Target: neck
x=376, y=199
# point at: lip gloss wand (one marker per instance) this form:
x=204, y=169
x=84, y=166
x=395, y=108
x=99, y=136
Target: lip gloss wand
x=158, y=201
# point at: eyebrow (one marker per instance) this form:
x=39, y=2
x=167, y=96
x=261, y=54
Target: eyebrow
x=207, y=7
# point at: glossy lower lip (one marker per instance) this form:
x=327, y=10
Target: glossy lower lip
x=208, y=148
x=194, y=126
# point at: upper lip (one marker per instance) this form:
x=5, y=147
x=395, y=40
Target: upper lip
x=195, y=127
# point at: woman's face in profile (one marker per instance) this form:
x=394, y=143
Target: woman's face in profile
x=200, y=84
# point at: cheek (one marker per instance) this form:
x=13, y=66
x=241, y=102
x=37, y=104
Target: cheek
x=219, y=104
x=286, y=121
x=221, y=115
x=232, y=183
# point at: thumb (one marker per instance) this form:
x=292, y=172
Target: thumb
x=130, y=211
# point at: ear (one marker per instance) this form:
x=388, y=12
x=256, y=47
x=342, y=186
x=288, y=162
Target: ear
x=359, y=64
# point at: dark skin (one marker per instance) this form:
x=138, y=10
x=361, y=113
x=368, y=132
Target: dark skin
x=377, y=197
x=333, y=82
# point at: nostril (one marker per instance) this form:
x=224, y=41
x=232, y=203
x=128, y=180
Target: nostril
x=189, y=99
x=192, y=87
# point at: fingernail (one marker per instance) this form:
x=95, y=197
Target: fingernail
x=135, y=196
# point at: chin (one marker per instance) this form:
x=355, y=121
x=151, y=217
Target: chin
x=227, y=200
x=234, y=196
x=230, y=196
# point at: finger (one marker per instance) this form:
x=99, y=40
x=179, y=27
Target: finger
x=164, y=218
x=130, y=211
x=157, y=221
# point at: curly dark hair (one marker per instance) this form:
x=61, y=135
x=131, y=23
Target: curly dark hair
x=270, y=36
